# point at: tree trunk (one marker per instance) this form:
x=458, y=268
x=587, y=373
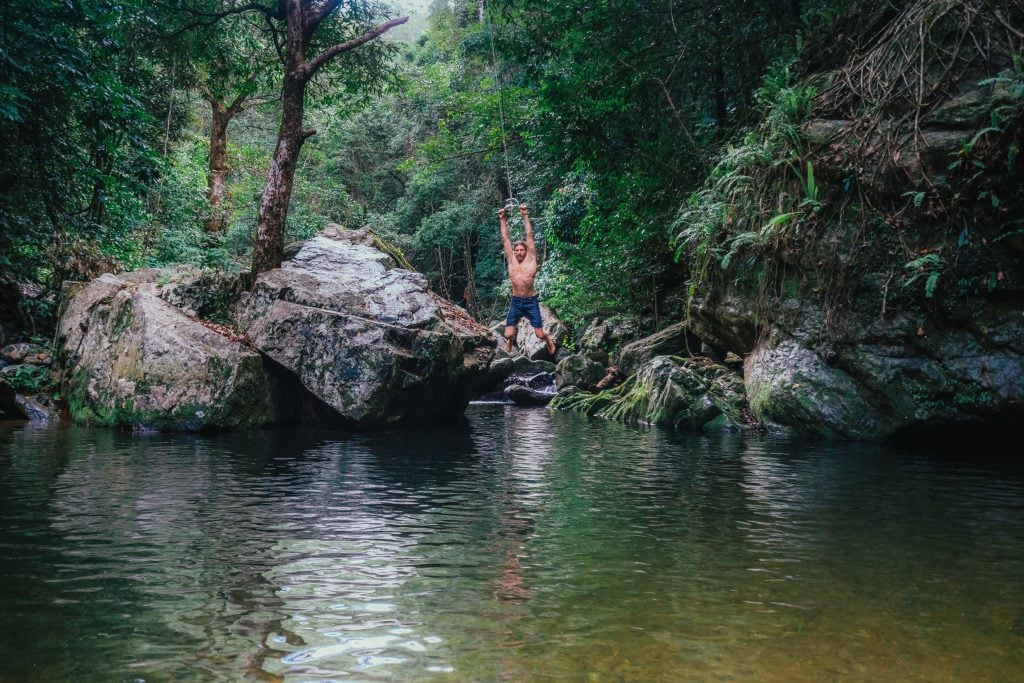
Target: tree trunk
x=301, y=22
x=216, y=175
x=470, y=294
x=269, y=248
x=721, y=103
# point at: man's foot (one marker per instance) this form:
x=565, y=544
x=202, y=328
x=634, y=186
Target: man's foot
x=508, y=345
x=551, y=347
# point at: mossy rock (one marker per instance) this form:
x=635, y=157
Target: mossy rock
x=668, y=391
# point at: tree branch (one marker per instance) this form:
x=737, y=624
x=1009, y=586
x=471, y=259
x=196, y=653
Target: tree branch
x=319, y=13
x=212, y=18
x=311, y=67
x=278, y=47
x=243, y=95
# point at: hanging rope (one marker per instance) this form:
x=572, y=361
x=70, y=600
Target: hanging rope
x=501, y=107
x=512, y=202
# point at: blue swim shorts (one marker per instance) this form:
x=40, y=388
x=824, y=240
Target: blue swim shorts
x=524, y=307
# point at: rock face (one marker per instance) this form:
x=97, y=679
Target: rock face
x=133, y=360
x=674, y=340
x=878, y=327
x=893, y=377
x=363, y=335
x=668, y=391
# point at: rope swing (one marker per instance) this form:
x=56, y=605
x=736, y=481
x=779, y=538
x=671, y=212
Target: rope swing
x=512, y=202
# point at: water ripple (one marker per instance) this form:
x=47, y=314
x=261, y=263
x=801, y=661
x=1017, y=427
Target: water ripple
x=527, y=545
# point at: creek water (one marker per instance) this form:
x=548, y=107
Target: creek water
x=524, y=545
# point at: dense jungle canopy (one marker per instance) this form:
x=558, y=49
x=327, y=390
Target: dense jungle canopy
x=139, y=134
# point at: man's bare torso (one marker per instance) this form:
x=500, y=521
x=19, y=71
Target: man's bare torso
x=522, y=274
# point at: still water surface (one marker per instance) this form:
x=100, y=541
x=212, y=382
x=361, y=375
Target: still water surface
x=524, y=546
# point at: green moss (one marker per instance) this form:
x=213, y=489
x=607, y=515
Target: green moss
x=668, y=392
x=124, y=318
x=392, y=251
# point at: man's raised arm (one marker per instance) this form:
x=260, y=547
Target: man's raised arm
x=531, y=247
x=506, y=243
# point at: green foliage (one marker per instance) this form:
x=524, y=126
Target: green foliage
x=82, y=110
x=927, y=267
x=749, y=203
x=28, y=379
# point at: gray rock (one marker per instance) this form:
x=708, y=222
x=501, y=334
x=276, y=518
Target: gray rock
x=791, y=386
x=23, y=353
x=595, y=335
x=725, y=319
x=528, y=396
x=133, y=360
x=200, y=293
x=519, y=365
x=532, y=347
x=674, y=340
x=824, y=131
x=364, y=336
x=579, y=370
x=972, y=107
x=14, y=406
x=24, y=369
x=622, y=330
x=33, y=411
x=887, y=379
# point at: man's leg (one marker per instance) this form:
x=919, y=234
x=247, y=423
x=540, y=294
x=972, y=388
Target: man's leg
x=533, y=313
x=546, y=338
x=510, y=337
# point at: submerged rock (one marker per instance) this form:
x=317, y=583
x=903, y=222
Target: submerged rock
x=668, y=391
x=363, y=335
x=133, y=360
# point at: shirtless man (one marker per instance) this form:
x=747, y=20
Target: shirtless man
x=522, y=269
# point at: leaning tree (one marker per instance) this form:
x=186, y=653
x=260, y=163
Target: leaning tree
x=307, y=35
x=302, y=19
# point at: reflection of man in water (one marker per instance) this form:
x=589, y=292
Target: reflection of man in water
x=519, y=498
x=509, y=585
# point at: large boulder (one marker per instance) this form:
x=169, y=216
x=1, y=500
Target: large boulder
x=674, y=340
x=530, y=345
x=363, y=335
x=668, y=391
x=133, y=360
x=580, y=371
